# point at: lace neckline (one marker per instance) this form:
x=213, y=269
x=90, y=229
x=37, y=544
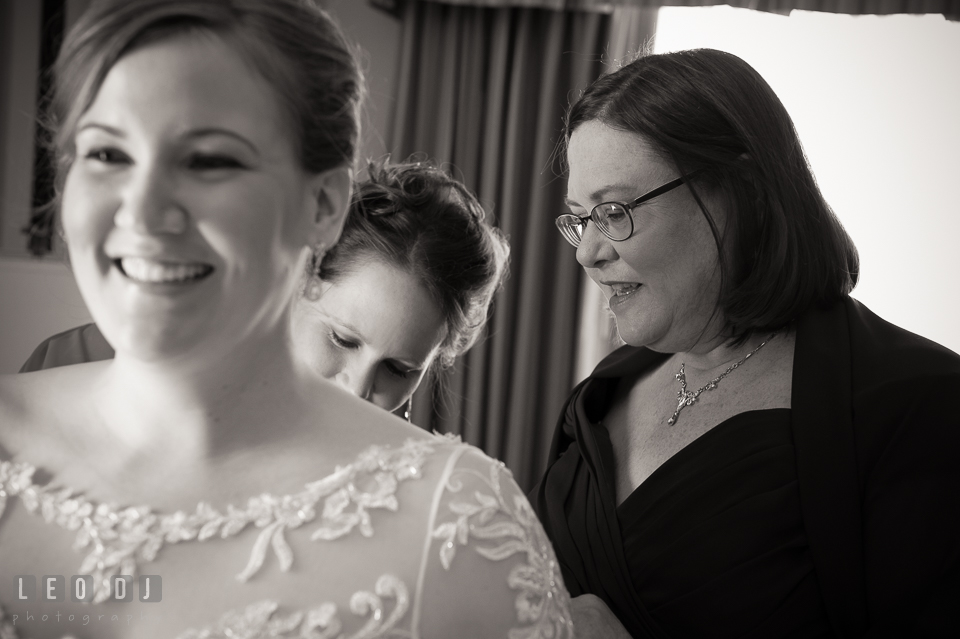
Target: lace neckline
x=120, y=539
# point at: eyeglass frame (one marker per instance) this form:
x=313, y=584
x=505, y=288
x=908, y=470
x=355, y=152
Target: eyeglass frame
x=628, y=207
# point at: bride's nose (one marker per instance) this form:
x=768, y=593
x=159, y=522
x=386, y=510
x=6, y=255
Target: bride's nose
x=149, y=205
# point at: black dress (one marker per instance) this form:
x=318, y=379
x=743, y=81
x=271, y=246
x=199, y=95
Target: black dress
x=837, y=517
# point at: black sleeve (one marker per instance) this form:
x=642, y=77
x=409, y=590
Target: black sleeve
x=911, y=506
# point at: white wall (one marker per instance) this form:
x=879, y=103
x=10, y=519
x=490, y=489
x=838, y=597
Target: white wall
x=876, y=102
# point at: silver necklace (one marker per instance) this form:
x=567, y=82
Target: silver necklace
x=686, y=398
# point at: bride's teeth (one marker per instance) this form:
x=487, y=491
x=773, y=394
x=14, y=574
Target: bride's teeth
x=624, y=289
x=153, y=272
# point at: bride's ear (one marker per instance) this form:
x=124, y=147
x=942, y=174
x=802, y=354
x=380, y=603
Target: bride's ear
x=331, y=199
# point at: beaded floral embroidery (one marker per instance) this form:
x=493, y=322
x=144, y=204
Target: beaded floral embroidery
x=500, y=525
x=542, y=602
x=261, y=619
x=120, y=539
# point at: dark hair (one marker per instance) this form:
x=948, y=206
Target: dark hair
x=712, y=115
x=416, y=217
x=293, y=44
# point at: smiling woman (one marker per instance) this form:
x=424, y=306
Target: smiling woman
x=763, y=458
x=666, y=280
x=217, y=158
x=206, y=146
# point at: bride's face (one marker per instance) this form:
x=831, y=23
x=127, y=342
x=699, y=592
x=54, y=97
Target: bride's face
x=186, y=211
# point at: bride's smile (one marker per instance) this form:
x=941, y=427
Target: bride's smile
x=185, y=201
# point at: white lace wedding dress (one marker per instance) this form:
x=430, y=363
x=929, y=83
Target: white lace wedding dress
x=441, y=534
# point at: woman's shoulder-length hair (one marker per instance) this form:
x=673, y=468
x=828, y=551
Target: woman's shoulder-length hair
x=711, y=115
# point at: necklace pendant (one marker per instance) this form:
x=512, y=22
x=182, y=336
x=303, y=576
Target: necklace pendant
x=687, y=398
x=683, y=399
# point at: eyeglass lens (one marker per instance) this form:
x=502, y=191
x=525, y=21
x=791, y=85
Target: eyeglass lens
x=571, y=227
x=611, y=218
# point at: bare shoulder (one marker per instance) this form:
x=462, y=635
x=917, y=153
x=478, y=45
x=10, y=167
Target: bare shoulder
x=35, y=406
x=19, y=401
x=346, y=416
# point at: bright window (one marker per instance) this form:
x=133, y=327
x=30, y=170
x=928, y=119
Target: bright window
x=876, y=101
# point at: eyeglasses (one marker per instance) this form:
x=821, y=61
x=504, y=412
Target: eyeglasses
x=612, y=218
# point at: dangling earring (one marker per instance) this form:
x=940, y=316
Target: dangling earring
x=312, y=290
x=408, y=409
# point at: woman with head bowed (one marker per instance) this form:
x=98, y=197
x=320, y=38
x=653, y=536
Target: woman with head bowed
x=207, y=482
x=764, y=457
x=406, y=288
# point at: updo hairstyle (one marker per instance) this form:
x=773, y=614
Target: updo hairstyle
x=713, y=117
x=293, y=44
x=415, y=217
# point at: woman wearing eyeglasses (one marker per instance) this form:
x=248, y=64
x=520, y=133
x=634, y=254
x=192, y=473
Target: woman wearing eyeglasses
x=765, y=457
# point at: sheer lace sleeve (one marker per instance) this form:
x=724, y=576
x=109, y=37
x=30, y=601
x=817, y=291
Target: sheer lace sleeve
x=487, y=560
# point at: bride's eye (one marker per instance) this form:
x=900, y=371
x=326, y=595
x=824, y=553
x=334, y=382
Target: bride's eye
x=213, y=162
x=106, y=155
x=341, y=342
